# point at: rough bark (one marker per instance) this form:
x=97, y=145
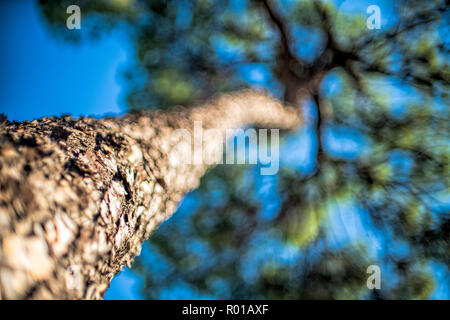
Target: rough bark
x=79, y=196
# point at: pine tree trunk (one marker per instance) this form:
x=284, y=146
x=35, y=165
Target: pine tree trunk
x=79, y=196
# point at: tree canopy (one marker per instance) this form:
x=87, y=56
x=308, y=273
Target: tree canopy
x=371, y=162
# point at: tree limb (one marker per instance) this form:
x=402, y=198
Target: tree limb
x=79, y=196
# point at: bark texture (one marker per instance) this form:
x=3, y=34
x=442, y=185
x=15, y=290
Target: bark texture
x=79, y=196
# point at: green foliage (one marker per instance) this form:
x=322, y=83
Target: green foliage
x=391, y=91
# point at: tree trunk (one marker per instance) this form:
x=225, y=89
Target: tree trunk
x=79, y=196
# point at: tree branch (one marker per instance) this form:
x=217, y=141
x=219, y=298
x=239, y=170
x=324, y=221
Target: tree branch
x=79, y=196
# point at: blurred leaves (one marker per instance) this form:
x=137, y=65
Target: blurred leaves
x=300, y=234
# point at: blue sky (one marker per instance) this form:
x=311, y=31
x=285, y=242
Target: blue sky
x=42, y=76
